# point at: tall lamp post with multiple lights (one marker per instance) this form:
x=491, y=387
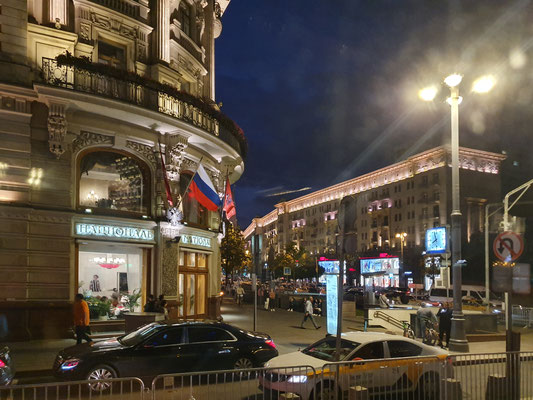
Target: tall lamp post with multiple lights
x=484, y=84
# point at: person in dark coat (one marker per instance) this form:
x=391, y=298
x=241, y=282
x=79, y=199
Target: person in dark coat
x=445, y=323
x=150, y=305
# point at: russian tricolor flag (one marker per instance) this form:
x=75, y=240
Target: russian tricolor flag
x=203, y=191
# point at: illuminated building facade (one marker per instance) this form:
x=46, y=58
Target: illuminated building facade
x=406, y=197
x=90, y=91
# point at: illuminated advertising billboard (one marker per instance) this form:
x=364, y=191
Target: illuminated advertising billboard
x=389, y=265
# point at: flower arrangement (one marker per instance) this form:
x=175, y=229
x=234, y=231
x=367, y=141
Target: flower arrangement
x=132, y=300
x=205, y=105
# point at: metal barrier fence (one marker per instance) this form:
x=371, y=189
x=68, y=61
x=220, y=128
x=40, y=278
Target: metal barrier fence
x=523, y=316
x=118, y=388
x=250, y=384
x=490, y=376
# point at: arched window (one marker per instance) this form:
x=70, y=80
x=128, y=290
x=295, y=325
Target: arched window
x=193, y=212
x=185, y=17
x=112, y=180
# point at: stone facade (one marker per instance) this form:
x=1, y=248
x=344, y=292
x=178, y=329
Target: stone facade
x=410, y=196
x=52, y=116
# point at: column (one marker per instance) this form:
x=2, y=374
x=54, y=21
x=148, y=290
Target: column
x=162, y=33
x=58, y=13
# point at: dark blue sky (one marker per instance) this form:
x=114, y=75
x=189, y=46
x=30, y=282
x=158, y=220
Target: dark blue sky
x=326, y=90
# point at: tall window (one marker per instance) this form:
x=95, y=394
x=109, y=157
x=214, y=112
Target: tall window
x=185, y=17
x=193, y=212
x=192, y=284
x=114, y=181
x=112, y=55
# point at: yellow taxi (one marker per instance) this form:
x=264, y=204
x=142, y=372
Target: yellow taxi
x=381, y=363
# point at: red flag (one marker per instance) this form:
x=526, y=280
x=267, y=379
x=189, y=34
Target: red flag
x=165, y=177
x=229, y=204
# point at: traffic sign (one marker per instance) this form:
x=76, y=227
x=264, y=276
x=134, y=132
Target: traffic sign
x=287, y=271
x=508, y=246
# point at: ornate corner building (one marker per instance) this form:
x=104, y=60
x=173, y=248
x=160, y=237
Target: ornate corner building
x=91, y=93
x=407, y=197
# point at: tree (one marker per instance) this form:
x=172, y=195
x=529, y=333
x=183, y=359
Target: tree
x=233, y=253
x=302, y=264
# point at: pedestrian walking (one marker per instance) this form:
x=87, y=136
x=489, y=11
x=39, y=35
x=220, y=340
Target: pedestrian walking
x=272, y=300
x=240, y=294
x=81, y=319
x=308, y=314
x=445, y=323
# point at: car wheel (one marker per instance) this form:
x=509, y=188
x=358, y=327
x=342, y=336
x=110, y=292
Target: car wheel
x=243, y=363
x=98, y=373
x=428, y=387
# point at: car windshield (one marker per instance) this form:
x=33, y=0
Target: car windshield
x=136, y=337
x=325, y=349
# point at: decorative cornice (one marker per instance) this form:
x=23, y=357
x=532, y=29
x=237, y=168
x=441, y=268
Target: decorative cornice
x=144, y=150
x=57, y=129
x=86, y=139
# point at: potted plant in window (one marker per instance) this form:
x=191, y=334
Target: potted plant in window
x=132, y=300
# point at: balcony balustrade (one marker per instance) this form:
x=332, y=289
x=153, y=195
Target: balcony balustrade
x=79, y=79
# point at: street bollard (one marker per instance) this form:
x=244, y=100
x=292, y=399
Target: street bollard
x=497, y=388
x=451, y=389
x=286, y=396
x=358, y=393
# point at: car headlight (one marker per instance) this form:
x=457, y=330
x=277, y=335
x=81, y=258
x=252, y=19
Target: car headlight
x=297, y=379
x=69, y=364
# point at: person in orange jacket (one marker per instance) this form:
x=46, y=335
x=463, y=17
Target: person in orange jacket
x=81, y=319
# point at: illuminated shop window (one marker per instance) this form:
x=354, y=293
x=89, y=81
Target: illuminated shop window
x=114, y=181
x=107, y=279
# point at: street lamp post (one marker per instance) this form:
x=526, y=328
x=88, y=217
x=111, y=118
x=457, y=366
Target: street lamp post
x=458, y=340
x=401, y=236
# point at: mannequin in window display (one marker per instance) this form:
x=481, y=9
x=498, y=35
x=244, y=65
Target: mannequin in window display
x=94, y=285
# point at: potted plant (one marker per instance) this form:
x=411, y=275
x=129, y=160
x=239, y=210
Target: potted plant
x=133, y=299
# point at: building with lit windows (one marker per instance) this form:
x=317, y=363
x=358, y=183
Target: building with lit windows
x=404, y=198
x=91, y=91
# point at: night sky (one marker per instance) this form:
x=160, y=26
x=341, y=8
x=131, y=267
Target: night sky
x=326, y=90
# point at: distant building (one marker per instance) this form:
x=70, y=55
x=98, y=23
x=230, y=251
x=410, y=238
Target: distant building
x=407, y=197
x=90, y=91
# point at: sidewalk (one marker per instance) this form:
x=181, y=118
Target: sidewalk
x=37, y=356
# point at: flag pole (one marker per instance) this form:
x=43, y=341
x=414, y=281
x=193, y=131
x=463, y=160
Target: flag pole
x=189, y=184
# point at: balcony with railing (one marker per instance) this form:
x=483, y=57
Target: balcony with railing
x=130, y=8
x=135, y=92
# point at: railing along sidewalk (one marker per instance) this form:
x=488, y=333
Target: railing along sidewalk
x=117, y=388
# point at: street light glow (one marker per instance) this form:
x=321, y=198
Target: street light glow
x=484, y=84
x=401, y=235
x=428, y=93
x=453, y=80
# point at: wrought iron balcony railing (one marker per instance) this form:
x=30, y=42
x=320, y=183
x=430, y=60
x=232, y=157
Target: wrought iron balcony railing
x=79, y=79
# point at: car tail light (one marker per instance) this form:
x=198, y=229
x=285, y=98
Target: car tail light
x=2, y=364
x=271, y=343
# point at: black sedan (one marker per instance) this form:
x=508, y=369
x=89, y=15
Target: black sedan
x=161, y=348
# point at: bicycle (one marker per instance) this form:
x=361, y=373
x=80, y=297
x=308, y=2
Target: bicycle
x=408, y=330
x=430, y=335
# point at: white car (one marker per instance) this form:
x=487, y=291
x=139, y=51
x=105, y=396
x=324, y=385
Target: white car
x=399, y=365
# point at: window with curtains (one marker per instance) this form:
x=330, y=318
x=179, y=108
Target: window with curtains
x=113, y=181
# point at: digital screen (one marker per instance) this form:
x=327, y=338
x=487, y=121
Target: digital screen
x=332, y=303
x=330, y=266
x=377, y=265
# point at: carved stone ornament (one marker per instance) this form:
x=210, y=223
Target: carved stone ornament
x=57, y=129
x=143, y=149
x=86, y=139
x=175, y=158
x=188, y=165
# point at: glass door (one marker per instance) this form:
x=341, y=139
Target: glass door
x=192, y=285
